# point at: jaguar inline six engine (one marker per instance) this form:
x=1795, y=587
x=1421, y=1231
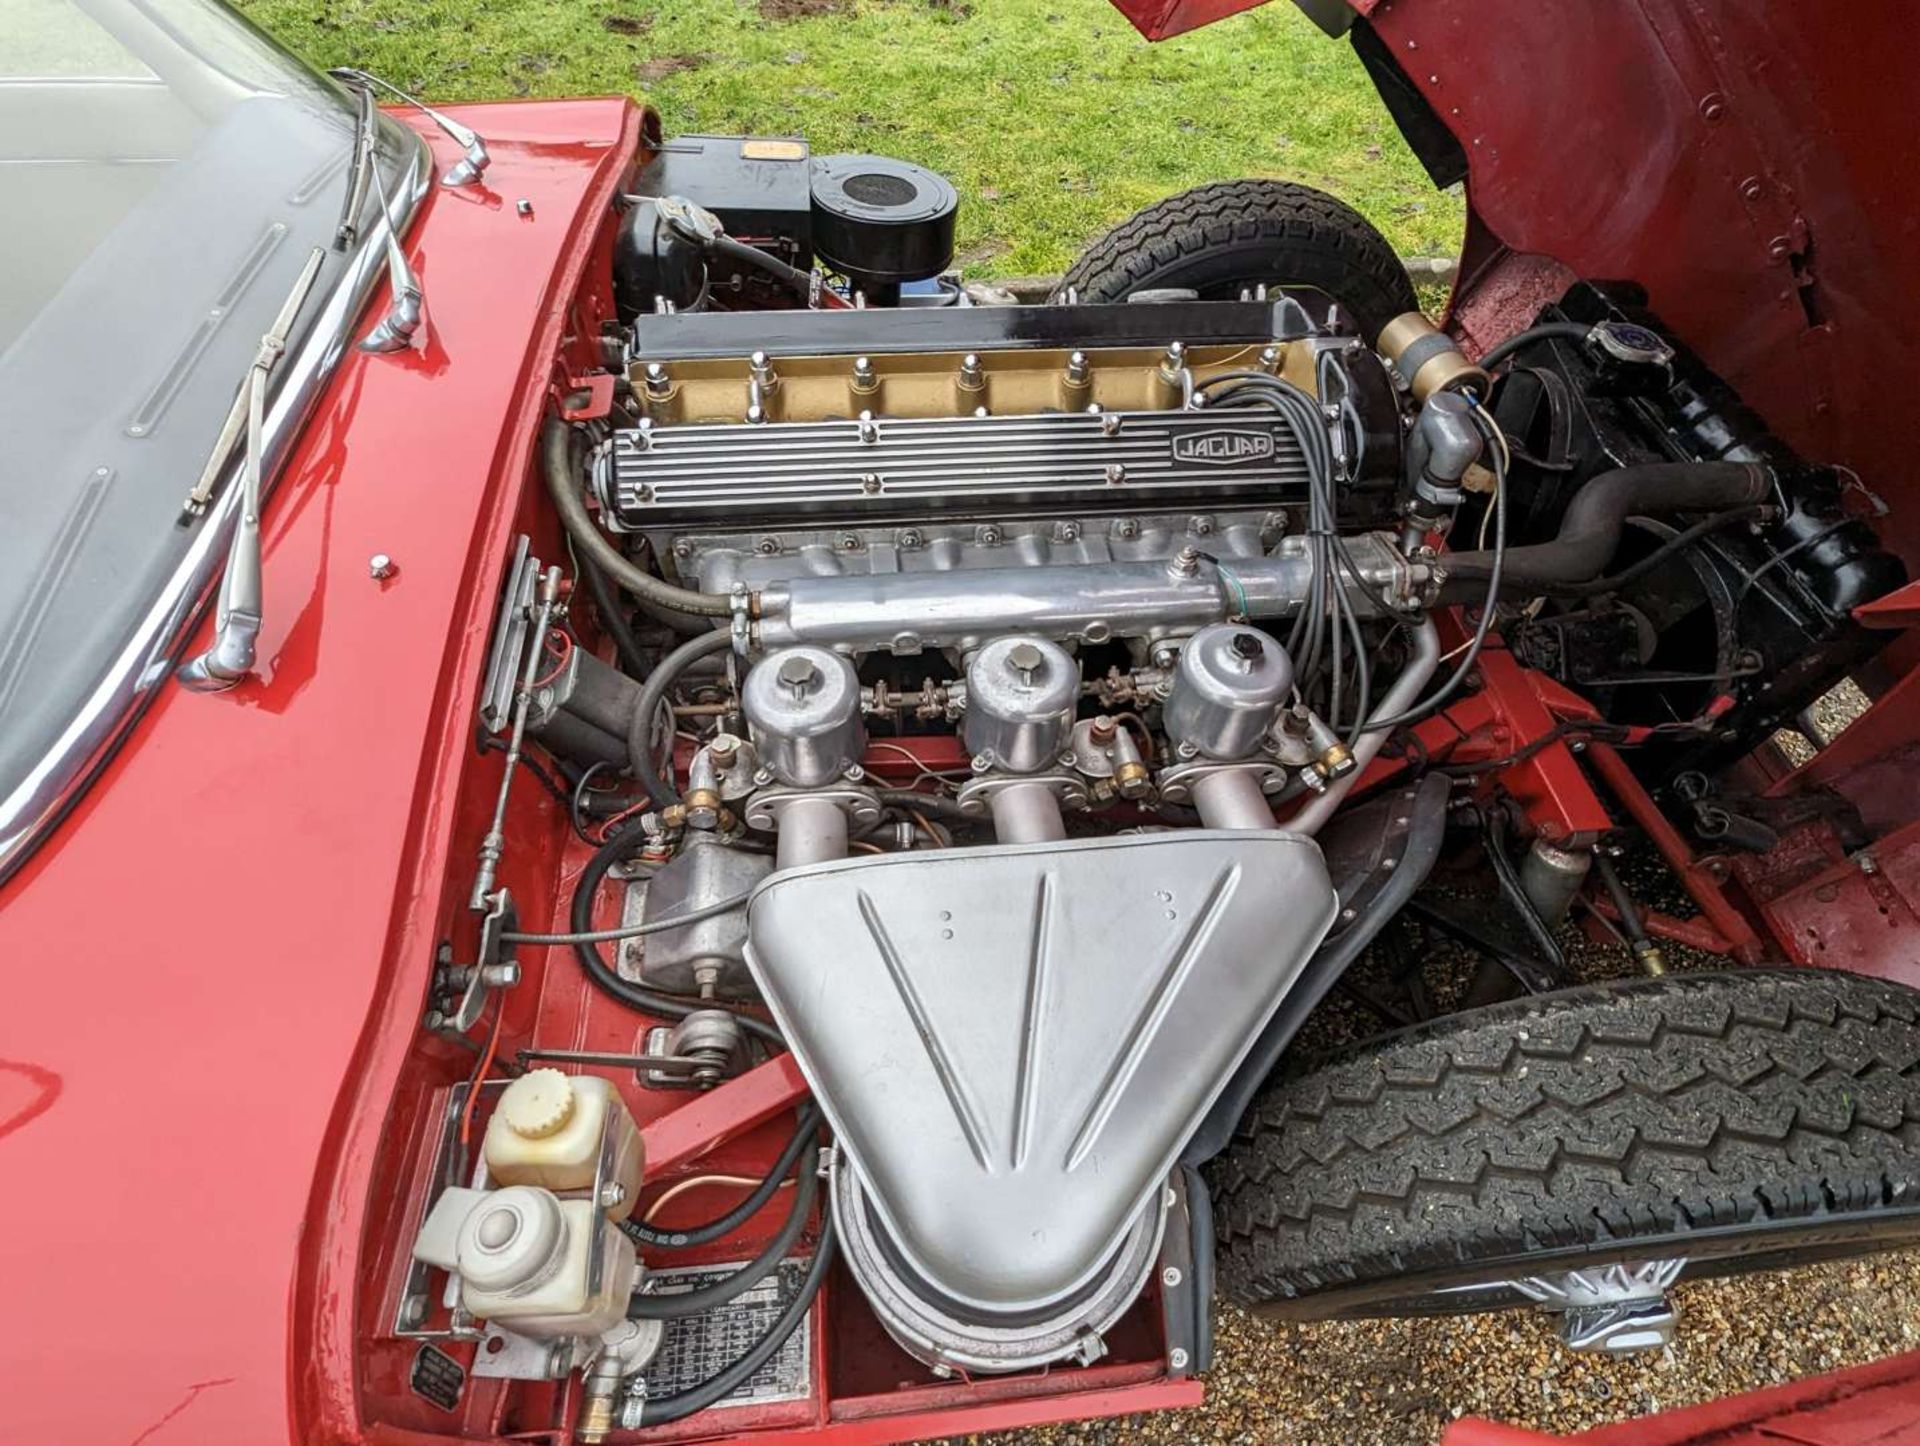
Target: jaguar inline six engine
x=1002, y=665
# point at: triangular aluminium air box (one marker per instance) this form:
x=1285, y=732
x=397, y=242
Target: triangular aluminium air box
x=1013, y=1043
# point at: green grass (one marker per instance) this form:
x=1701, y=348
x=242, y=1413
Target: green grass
x=1052, y=116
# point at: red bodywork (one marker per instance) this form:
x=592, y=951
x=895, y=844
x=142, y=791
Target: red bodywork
x=214, y=1092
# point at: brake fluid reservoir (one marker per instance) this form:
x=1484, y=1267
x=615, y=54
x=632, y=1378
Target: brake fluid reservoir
x=546, y=1131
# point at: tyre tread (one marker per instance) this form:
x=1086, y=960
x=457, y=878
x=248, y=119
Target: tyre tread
x=1594, y=1115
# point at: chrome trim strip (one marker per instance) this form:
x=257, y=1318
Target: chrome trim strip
x=143, y=665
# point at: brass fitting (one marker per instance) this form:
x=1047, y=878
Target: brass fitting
x=596, y=1419
x=1336, y=762
x=703, y=808
x=1132, y=779
x=1426, y=357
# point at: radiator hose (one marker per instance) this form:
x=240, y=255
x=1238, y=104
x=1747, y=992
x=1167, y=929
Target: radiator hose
x=654, y=594
x=1591, y=527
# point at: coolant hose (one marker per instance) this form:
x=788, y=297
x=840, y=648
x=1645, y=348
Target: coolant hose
x=1570, y=330
x=556, y=455
x=653, y=697
x=1404, y=693
x=1590, y=530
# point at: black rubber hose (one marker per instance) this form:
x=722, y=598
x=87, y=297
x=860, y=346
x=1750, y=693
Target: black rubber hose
x=726, y=1224
x=682, y=1304
x=1571, y=330
x=931, y=804
x=1679, y=542
x=653, y=697
x=612, y=620
x=798, y=281
x=556, y=455
x=607, y=980
x=659, y=1410
x=1591, y=527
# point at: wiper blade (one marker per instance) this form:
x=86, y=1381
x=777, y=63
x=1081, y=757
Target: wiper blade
x=241, y=605
x=365, y=162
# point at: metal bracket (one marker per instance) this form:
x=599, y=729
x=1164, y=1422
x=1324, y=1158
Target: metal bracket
x=468, y=985
x=1176, y=783
x=863, y=809
x=976, y=797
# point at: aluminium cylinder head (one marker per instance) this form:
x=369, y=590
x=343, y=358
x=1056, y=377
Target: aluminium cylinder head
x=1021, y=696
x=1226, y=687
x=803, y=712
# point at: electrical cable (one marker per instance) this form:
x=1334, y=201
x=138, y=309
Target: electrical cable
x=689, y=1236
x=632, y=931
x=683, y=1304
x=658, y=784
x=607, y=979
x=613, y=621
x=659, y=1410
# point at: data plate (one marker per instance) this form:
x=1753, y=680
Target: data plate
x=697, y=1349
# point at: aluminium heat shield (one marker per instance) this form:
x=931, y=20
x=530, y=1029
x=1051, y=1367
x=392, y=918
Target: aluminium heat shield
x=1013, y=1043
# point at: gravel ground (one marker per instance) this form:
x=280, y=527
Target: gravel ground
x=1399, y=1382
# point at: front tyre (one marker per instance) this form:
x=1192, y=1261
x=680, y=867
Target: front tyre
x=1734, y=1121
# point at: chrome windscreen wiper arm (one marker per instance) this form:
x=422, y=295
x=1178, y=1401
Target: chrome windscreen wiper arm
x=463, y=172
x=365, y=161
x=241, y=605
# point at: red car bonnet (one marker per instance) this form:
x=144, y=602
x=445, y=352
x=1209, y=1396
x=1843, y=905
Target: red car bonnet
x=1748, y=161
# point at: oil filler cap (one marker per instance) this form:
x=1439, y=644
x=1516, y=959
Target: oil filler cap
x=537, y=1104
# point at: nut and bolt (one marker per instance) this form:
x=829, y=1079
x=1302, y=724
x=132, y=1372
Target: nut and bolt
x=971, y=376
x=380, y=567
x=612, y=1193
x=658, y=384
x=1171, y=1277
x=869, y=429
x=1116, y=474
x=911, y=538
x=991, y=535
x=413, y=1310
x=1102, y=730
x=1126, y=527
x=523, y=206
x=1077, y=369
x=1270, y=358
x=1177, y=1359
x=864, y=379
x=767, y=546
x=1175, y=360
x=869, y=482
x=724, y=751
x=1110, y=424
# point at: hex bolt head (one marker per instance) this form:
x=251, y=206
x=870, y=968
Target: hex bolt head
x=380, y=567
x=1026, y=660
x=798, y=675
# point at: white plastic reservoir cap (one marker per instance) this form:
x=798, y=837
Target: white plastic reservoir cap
x=537, y=1104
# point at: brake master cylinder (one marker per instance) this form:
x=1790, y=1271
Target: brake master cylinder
x=531, y=1261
